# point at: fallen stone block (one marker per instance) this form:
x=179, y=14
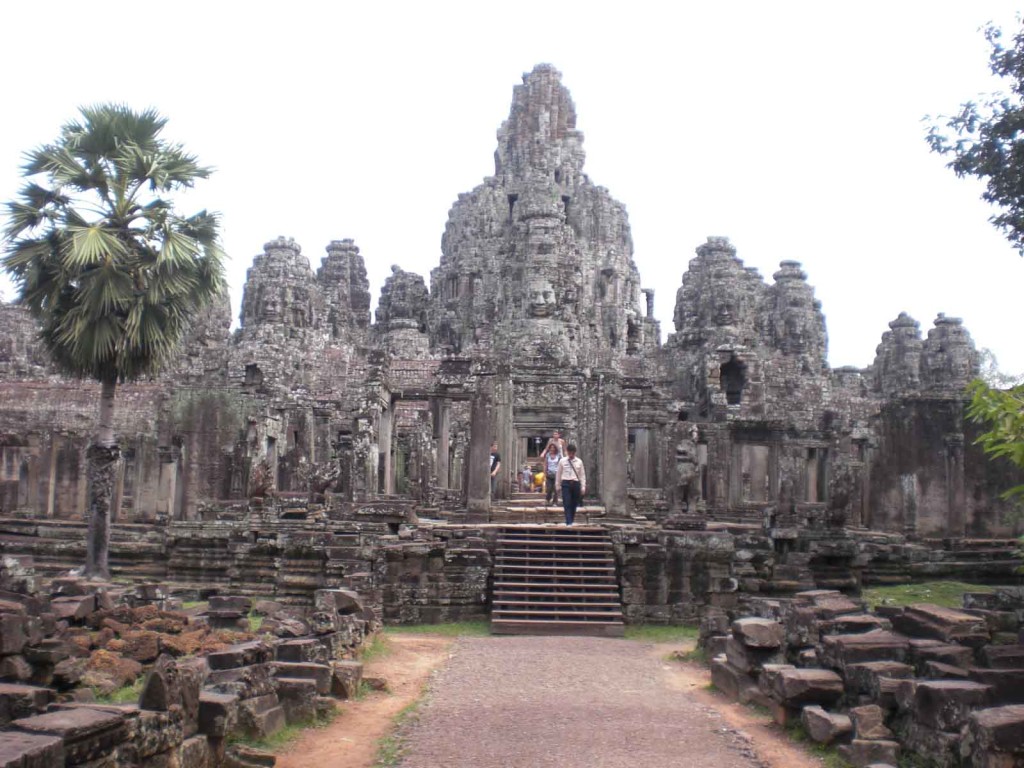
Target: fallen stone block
x=302, y=651
x=30, y=750
x=951, y=654
x=860, y=678
x=345, y=678
x=88, y=734
x=997, y=730
x=19, y=701
x=241, y=756
x=839, y=651
x=242, y=655
x=297, y=697
x=869, y=723
x=230, y=604
x=12, y=633
x=853, y=624
x=76, y=608
x=930, y=746
x=946, y=704
x=337, y=601
x=727, y=679
x=749, y=660
x=936, y=670
x=244, y=682
x=15, y=668
x=945, y=624
x=864, y=753
x=758, y=633
x=796, y=687
x=218, y=714
x=319, y=673
x=261, y=717
x=1003, y=656
x=825, y=727
x=195, y=752
x=156, y=732
x=1007, y=684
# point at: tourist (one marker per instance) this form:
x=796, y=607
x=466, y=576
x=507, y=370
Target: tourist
x=572, y=478
x=495, y=466
x=526, y=479
x=551, y=458
x=556, y=440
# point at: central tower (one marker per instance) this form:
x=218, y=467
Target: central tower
x=537, y=262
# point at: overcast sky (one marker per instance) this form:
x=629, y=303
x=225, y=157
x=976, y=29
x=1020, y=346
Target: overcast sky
x=795, y=129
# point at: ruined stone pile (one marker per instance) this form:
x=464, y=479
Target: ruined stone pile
x=206, y=681
x=946, y=685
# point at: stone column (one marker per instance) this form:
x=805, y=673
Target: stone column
x=504, y=432
x=613, y=462
x=384, y=446
x=481, y=431
x=442, y=434
x=956, y=522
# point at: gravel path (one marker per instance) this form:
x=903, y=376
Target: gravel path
x=565, y=701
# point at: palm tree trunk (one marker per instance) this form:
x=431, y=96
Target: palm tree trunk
x=101, y=460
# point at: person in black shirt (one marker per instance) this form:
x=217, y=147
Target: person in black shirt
x=495, y=468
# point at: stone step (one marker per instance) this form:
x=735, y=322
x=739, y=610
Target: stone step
x=564, y=627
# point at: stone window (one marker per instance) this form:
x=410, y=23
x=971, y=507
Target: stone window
x=253, y=375
x=733, y=379
x=511, y=207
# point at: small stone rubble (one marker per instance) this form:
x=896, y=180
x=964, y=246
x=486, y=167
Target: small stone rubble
x=206, y=677
x=924, y=680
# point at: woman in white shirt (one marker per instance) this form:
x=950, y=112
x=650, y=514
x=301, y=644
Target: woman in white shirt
x=572, y=478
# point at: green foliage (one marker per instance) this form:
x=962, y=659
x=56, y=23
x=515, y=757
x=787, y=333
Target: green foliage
x=985, y=139
x=128, y=694
x=377, y=648
x=945, y=593
x=391, y=748
x=1003, y=412
x=255, y=622
x=101, y=259
x=450, y=629
x=661, y=633
x=282, y=738
x=828, y=756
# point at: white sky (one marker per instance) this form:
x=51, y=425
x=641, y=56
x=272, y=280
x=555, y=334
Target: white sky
x=792, y=128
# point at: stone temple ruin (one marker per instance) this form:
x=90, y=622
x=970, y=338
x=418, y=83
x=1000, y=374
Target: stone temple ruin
x=313, y=449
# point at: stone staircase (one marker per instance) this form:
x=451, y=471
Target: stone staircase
x=554, y=580
x=530, y=508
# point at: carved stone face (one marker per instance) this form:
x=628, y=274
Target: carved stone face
x=542, y=298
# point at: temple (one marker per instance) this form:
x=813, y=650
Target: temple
x=535, y=319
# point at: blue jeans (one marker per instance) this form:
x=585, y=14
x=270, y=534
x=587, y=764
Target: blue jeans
x=571, y=498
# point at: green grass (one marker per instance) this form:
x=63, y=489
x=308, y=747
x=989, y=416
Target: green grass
x=450, y=629
x=125, y=695
x=255, y=622
x=945, y=593
x=377, y=648
x=391, y=748
x=660, y=633
x=829, y=757
x=275, y=741
x=188, y=605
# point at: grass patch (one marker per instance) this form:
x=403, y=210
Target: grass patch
x=661, y=633
x=450, y=629
x=948, y=594
x=282, y=738
x=391, y=748
x=128, y=694
x=829, y=756
x=255, y=622
x=188, y=605
x=377, y=648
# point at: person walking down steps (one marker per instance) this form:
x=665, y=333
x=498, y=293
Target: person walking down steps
x=571, y=477
x=552, y=458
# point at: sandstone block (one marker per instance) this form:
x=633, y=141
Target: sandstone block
x=796, y=687
x=860, y=678
x=345, y=678
x=88, y=734
x=218, y=714
x=19, y=701
x=864, y=753
x=728, y=679
x=946, y=704
x=869, y=723
x=76, y=608
x=946, y=624
x=162, y=689
x=839, y=651
x=825, y=727
x=1007, y=684
x=747, y=659
x=30, y=750
x=302, y=651
x=297, y=697
x=195, y=752
x=320, y=674
x=999, y=729
x=242, y=655
x=758, y=633
x=1003, y=656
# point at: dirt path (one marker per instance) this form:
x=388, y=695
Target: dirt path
x=351, y=741
x=547, y=701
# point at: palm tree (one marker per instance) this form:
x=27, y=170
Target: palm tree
x=110, y=271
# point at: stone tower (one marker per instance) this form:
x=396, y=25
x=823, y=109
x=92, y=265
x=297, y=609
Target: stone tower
x=538, y=261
